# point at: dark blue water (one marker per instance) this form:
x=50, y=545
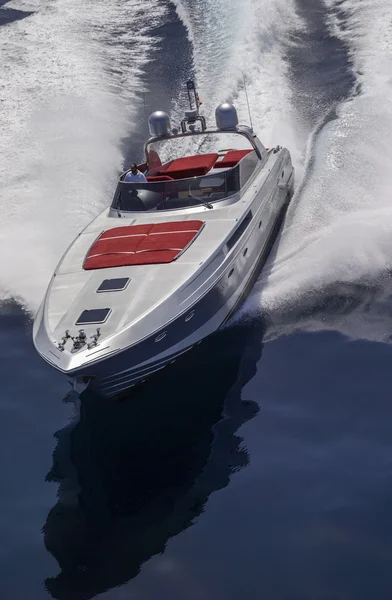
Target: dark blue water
x=251, y=469
x=287, y=496
x=9, y=15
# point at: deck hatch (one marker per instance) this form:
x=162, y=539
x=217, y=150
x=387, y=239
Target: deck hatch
x=94, y=316
x=113, y=285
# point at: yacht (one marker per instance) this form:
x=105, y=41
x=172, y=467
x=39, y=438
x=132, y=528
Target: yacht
x=172, y=258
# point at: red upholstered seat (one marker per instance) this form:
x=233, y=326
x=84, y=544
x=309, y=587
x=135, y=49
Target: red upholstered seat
x=158, y=168
x=141, y=244
x=159, y=178
x=190, y=166
x=231, y=159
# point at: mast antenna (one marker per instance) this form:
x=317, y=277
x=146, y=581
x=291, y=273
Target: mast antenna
x=193, y=96
x=247, y=101
x=192, y=115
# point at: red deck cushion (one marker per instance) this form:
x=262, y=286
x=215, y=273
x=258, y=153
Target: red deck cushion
x=158, y=168
x=105, y=261
x=141, y=244
x=159, y=178
x=231, y=159
x=190, y=166
x=175, y=240
x=117, y=232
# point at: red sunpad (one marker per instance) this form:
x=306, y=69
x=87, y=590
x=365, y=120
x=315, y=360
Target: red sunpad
x=141, y=244
x=117, y=232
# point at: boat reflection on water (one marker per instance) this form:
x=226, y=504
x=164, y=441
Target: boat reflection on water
x=134, y=473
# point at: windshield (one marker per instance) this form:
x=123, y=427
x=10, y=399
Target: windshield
x=170, y=195
x=161, y=151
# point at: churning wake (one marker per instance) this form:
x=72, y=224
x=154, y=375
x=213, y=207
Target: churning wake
x=71, y=83
x=335, y=249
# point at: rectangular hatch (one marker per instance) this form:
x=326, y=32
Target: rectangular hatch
x=113, y=285
x=95, y=316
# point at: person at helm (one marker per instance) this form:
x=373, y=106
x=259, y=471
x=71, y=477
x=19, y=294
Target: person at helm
x=134, y=175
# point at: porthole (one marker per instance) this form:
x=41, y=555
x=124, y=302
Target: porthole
x=189, y=316
x=161, y=336
x=282, y=173
x=231, y=273
x=245, y=252
x=260, y=222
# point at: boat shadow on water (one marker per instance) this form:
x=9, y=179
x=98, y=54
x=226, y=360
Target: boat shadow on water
x=136, y=472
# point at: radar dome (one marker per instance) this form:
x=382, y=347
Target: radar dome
x=226, y=116
x=159, y=124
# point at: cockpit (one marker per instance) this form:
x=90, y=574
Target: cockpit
x=174, y=194
x=177, y=180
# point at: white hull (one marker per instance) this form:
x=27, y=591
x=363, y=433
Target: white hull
x=164, y=309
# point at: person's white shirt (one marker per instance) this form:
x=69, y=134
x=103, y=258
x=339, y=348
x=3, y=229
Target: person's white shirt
x=135, y=177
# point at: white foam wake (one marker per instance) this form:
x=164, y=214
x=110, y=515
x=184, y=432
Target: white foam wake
x=71, y=83
x=250, y=39
x=339, y=229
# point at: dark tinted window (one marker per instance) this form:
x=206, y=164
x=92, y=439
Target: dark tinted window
x=240, y=230
x=177, y=193
x=113, y=285
x=95, y=315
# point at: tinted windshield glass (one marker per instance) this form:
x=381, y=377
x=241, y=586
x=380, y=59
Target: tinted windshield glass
x=169, y=195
